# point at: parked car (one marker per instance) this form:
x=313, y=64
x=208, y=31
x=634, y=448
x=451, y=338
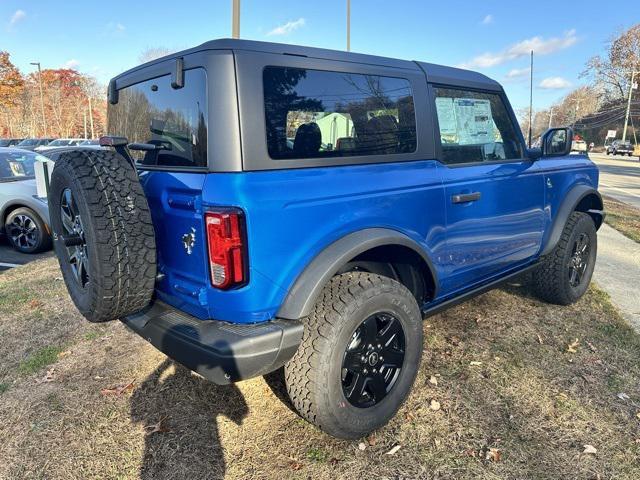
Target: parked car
x=579, y=146
x=60, y=142
x=24, y=216
x=237, y=251
x=9, y=142
x=620, y=147
x=90, y=142
x=33, y=143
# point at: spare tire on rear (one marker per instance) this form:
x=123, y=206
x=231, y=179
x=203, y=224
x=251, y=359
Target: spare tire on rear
x=103, y=233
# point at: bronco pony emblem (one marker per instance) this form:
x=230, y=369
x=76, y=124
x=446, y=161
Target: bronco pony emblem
x=189, y=240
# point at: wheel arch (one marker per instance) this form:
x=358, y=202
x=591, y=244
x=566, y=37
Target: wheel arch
x=581, y=198
x=383, y=247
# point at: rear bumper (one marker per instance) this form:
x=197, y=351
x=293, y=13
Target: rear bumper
x=219, y=351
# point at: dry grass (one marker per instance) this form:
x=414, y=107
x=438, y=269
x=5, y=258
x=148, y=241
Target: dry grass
x=623, y=217
x=530, y=398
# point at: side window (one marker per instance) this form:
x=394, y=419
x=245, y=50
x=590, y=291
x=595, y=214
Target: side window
x=316, y=114
x=174, y=119
x=475, y=127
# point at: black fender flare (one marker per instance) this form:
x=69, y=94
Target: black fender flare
x=307, y=287
x=569, y=205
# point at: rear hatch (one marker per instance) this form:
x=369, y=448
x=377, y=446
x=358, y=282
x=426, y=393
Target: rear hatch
x=172, y=123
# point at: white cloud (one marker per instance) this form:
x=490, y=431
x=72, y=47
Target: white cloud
x=487, y=19
x=517, y=73
x=287, y=28
x=115, y=28
x=554, y=83
x=539, y=45
x=73, y=64
x=18, y=16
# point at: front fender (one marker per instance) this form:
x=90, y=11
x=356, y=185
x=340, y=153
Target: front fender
x=307, y=287
x=574, y=198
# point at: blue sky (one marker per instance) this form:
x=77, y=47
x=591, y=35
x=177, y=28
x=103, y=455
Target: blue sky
x=493, y=36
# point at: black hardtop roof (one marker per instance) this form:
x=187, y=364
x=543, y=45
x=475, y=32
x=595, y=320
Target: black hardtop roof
x=435, y=73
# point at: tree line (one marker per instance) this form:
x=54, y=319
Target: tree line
x=54, y=103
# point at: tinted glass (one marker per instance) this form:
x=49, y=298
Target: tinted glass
x=17, y=165
x=475, y=127
x=312, y=113
x=173, y=119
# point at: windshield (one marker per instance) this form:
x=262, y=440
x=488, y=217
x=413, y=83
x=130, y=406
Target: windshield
x=59, y=143
x=17, y=165
x=5, y=143
x=29, y=142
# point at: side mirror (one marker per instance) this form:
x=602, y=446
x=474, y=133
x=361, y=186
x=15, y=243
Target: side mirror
x=556, y=142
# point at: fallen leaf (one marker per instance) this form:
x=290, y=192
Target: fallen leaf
x=437, y=442
x=434, y=405
x=623, y=396
x=573, y=347
x=362, y=446
x=540, y=340
x=117, y=390
x=394, y=450
x=591, y=347
x=475, y=364
x=589, y=449
x=433, y=381
x=64, y=354
x=493, y=455
x=371, y=439
x=159, y=427
x=296, y=465
x=49, y=377
x=35, y=303
x=638, y=415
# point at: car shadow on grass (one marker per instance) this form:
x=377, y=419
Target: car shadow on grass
x=179, y=412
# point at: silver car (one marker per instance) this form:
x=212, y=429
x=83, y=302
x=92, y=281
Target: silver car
x=24, y=217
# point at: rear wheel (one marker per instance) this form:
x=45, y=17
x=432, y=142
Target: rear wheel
x=359, y=355
x=103, y=234
x=26, y=231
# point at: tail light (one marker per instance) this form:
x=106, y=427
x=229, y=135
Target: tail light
x=226, y=239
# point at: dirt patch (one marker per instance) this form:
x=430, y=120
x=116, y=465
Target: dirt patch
x=509, y=388
x=623, y=217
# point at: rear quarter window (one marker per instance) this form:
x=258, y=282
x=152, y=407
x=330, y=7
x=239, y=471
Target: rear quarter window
x=174, y=119
x=317, y=114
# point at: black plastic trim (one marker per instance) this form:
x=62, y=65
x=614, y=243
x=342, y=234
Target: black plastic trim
x=219, y=351
x=432, y=310
x=569, y=204
x=307, y=287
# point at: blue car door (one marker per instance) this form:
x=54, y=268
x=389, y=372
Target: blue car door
x=494, y=195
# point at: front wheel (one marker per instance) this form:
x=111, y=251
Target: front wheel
x=26, y=231
x=359, y=355
x=564, y=275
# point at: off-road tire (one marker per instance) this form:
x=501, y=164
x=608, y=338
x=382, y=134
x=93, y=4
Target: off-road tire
x=117, y=229
x=551, y=280
x=42, y=238
x=313, y=375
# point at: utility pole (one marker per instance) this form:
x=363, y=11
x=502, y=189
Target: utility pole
x=44, y=120
x=93, y=133
x=348, y=25
x=626, y=118
x=235, y=21
x=531, y=99
x=85, y=125
x=550, y=115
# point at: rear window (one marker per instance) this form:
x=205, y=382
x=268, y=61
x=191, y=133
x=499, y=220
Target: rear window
x=174, y=119
x=315, y=114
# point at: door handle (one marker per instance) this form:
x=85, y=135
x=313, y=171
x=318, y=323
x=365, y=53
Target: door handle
x=465, y=197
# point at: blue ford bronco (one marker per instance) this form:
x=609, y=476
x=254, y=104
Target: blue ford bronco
x=266, y=206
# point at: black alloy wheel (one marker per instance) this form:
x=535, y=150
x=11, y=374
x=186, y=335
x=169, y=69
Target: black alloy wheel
x=73, y=238
x=23, y=232
x=578, y=261
x=373, y=360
